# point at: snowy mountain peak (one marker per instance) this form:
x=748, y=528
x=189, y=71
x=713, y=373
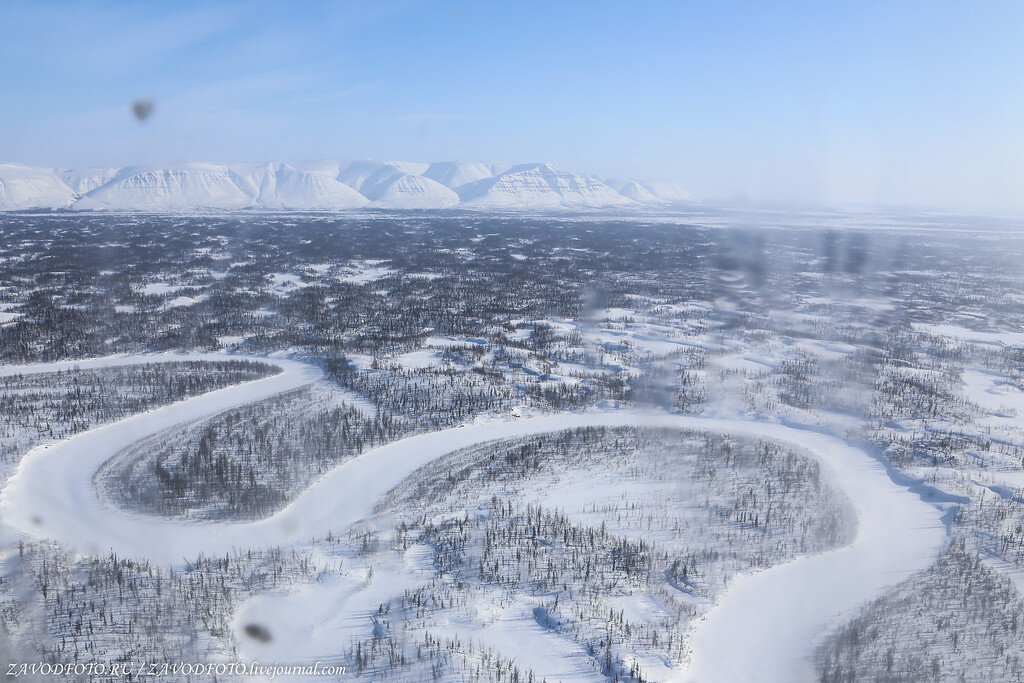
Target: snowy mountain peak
x=322, y=185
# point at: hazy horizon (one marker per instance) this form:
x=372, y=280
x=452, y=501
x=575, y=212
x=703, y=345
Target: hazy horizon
x=909, y=105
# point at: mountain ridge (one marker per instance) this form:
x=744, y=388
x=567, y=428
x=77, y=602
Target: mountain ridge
x=324, y=185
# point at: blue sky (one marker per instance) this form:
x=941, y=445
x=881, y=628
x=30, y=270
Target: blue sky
x=899, y=103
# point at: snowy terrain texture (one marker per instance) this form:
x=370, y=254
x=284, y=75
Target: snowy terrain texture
x=512, y=448
x=323, y=185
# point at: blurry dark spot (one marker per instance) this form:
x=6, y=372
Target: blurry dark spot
x=258, y=632
x=142, y=109
x=36, y=521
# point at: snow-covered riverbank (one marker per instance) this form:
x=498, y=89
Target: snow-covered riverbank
x=763, y=628
x=51, y=494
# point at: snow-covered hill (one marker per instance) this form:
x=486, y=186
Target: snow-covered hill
x=409, y=191
x=649, y=193
x=285, y=187
x=185, y=186
x=541, y=186
x=22, y=187
x=323, y=185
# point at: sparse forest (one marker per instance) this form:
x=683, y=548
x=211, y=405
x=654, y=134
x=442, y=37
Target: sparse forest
x=603, y=549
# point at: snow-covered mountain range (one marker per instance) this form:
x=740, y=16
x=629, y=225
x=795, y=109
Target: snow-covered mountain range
x=323, y=185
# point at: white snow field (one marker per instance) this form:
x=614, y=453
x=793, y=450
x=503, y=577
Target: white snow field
x=764, y=628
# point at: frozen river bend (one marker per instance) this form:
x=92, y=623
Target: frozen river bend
x=763, y=628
